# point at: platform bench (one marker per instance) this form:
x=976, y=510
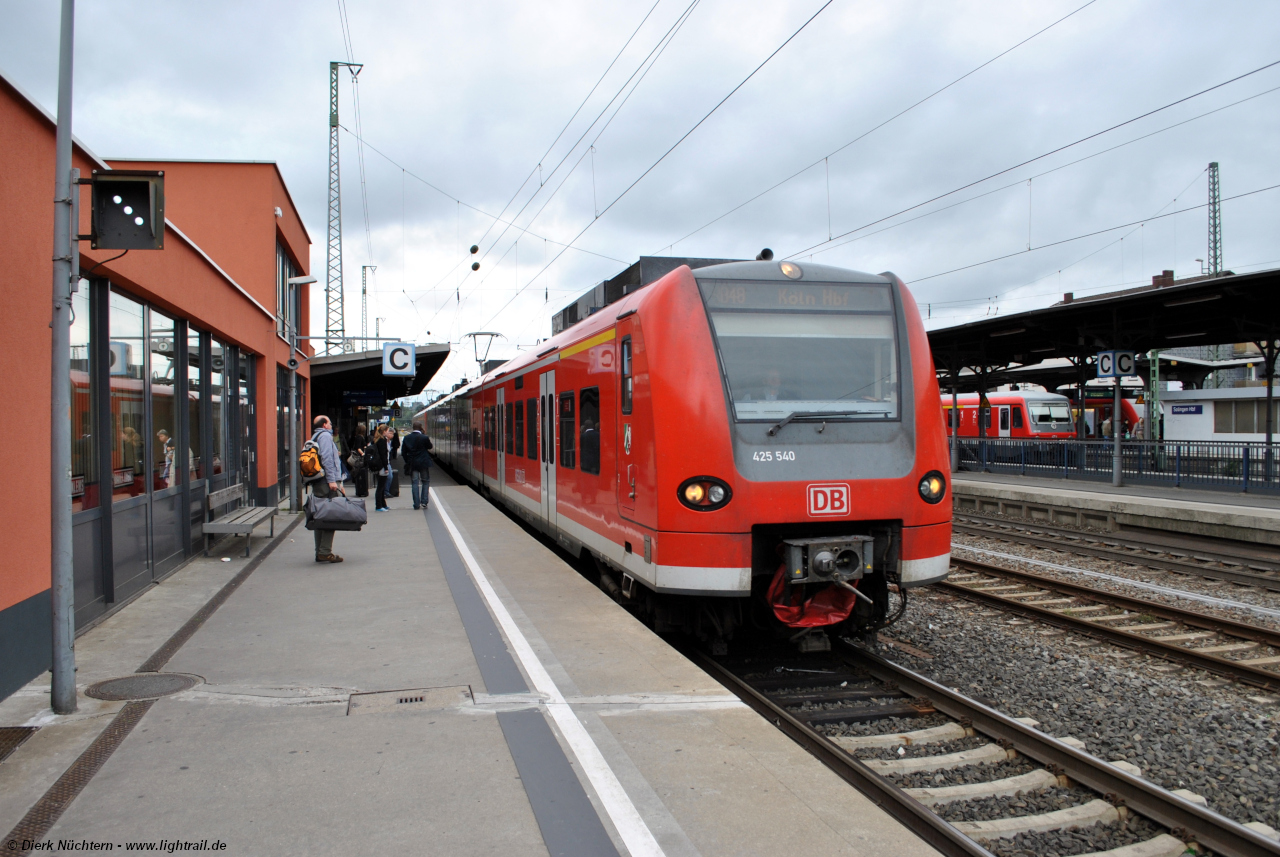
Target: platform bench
x=237, y=521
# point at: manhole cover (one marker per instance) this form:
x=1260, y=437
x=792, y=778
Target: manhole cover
x=142, y=686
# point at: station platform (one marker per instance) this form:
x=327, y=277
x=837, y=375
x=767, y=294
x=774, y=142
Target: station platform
x=453, y=687
x=1218, y=514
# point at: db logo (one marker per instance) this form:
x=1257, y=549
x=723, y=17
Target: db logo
x=831, y=499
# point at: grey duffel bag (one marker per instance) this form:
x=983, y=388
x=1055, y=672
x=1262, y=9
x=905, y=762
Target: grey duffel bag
x=335, y=513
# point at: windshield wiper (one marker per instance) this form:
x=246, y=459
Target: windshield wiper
x=807, y=416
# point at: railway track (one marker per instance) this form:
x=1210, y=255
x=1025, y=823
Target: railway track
x=1212, y=559
x=855, y=685
x=1235, y=650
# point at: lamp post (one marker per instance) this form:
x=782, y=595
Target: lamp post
x=295, y=500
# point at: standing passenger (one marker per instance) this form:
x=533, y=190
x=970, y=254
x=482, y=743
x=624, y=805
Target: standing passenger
x=358, y=444
x=381, y=466
x=417, y=464
x=327, y=485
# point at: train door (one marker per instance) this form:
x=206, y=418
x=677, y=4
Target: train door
x=1004, y=420
x=624, y=460
x=547, y=409
x=500, y=426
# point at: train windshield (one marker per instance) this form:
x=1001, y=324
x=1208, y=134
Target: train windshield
x=805, y=348
x=1045, y=416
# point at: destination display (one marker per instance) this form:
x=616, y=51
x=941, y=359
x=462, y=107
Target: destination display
x=805, y=297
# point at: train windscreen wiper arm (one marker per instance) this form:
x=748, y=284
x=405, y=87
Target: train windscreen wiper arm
x=808, y=415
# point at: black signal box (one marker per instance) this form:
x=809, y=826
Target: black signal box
x=128, y=210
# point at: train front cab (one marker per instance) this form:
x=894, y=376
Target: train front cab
x=621, y=417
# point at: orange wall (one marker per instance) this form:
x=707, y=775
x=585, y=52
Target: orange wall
x=226, y=212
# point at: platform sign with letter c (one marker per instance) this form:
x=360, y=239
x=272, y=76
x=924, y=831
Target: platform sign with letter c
x=1116, y=364
x=399, y=358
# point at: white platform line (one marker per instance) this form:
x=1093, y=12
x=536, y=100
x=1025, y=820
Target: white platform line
x=635, y=834
x=1137, y=584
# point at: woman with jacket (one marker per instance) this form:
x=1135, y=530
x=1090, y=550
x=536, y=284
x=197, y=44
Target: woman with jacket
x=381, y=465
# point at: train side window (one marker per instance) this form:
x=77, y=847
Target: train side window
x=1017, y=416
x=626, y=374
x=518, y=428
x=507, y=432
x=1004, y=419
x=568, y=455
x=532, y=423
x=986, y=417
x=589, y=420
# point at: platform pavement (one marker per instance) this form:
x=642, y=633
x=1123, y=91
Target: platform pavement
x=265, y=756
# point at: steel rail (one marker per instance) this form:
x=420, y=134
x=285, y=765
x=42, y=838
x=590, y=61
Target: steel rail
x=918, y=818
x=1072, y=545
x=1209, y=548
x=1237, y=670
x=1187, y=820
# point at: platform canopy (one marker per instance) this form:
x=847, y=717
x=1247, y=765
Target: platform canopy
x=1200, y=311
x=343, y=381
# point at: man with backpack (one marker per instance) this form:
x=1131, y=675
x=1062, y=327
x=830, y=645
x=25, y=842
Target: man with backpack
x=328, y=482
x=417, y=464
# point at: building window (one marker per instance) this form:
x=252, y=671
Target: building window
x=195, y=392
x=84, y=453
x=164, y=415
x=128, y=353
x=1247, y=417
x=589, y=420
x=286, y=309
x=217, y=401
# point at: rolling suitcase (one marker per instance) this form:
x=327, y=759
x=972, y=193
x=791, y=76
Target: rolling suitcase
x=393, y=483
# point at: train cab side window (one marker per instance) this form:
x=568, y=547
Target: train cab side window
x=508, y=445
x=568, y=455
x=1017, y=416
x=589, y=422
x=626, y=374
x=531, y=422
x=518, y=427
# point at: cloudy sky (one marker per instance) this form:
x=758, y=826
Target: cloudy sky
x=461, y=103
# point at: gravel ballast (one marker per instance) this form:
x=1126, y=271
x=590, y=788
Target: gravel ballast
x=1207, y=737
x=1027, y=803
x=964, y=776
x=1064, y=843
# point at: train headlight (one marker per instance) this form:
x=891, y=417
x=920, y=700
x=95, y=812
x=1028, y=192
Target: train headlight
x=933, y=487
x=791, y=270
x=704, y=493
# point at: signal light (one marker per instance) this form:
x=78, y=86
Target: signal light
x=933, y=486
x=127, y=210
x=704, y=493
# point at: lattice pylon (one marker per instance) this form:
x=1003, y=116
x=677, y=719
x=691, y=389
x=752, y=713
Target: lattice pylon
x=1215, y=221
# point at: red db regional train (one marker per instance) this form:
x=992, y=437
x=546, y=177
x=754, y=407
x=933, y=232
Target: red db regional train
x=1018, y=413
x=749, y=444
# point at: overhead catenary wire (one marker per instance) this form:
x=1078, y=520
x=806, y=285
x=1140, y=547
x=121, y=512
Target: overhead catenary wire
x=882, y=124
x=1090, y=235
x=1033, y=160
x=642, y=69
x=675, y=145
x=842, y=243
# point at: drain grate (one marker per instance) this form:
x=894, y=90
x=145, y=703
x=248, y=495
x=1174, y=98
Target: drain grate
x=142, y=686
x=11, y=737
x=412, y=699
x=41, y=817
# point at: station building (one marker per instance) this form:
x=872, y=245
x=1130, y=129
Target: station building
x=178, y=376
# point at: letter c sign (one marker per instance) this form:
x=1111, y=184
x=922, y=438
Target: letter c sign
x=398, y=358
x=828, y=499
